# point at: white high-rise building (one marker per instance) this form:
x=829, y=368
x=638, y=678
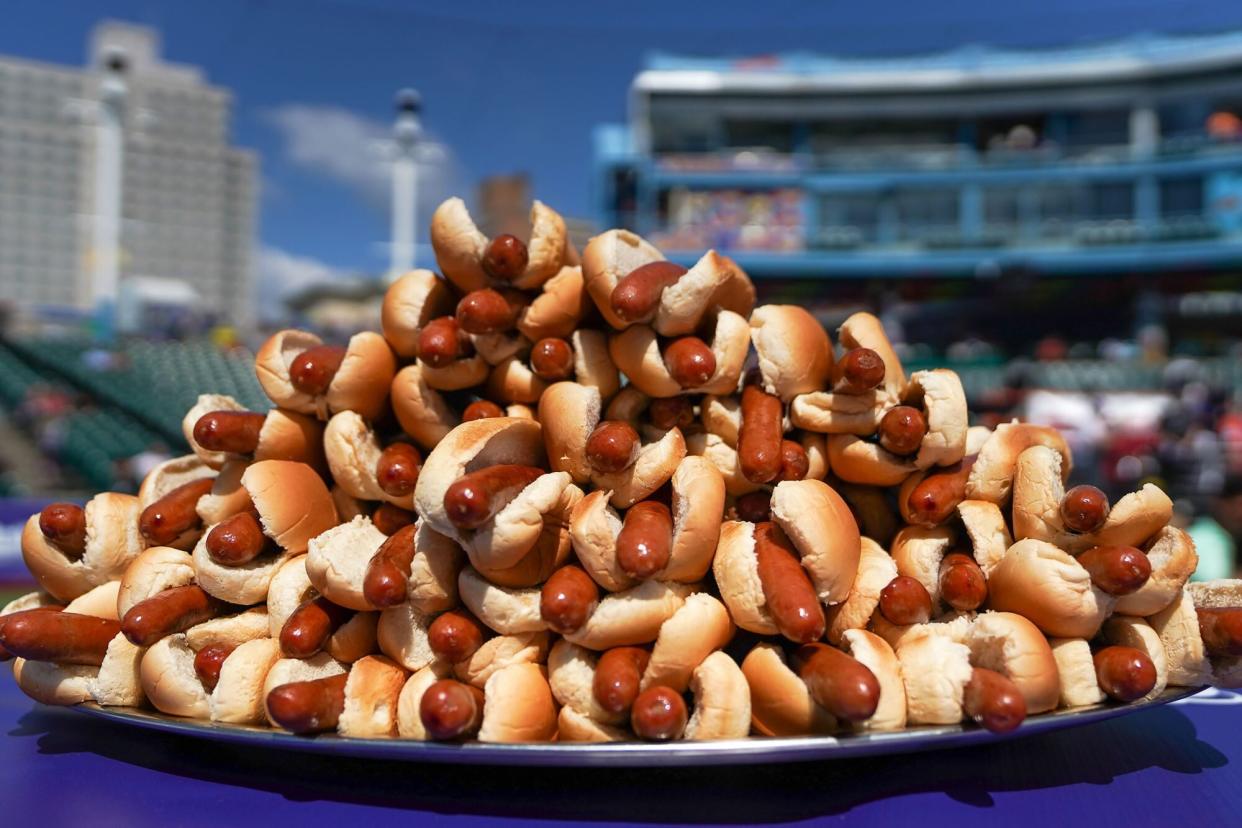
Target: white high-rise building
x=187, y=198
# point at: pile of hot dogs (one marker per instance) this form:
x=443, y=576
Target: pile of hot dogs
x=601, y=498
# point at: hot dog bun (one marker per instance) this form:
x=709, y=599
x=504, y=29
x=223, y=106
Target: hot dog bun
x=112, y=541
x=410, y=303
x=795, y=353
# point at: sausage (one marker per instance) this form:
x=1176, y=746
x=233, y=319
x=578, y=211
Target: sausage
x=671, y=412
x=787, y=590
x=1118, y=570
x=397, y=469
x=1084, y=508
x=646, y=539
x=612, y=446
x=567, y=599
x=840, y=684
x=61, y=637
x=905, y=601
x=934, y=500
x=481, y=410
x=485, y=311
x=617, y=675
x=451, y=710
x=690, y=361
x=171, y=611
x=659, y=714
x=759, y=437
x=235, y=432
x=312, y=371
x=993, y=701
x=473, y=499
x=637, y=294
x=207, y=664
x=387, y=580
x=310, y=626
x=389, y=519
x=1221, y=630
x=441, y=341
x=236, y=540
x=455, y=636
x=64, y=526
x=5, y=655
x=505, y=258
x=552, y=359
x=859, y=371
x=962, y=583
x=1124, y=673
x=795, y=465
x=166, y=519
x=902, y=430
x=308, y=706
x=755, y=507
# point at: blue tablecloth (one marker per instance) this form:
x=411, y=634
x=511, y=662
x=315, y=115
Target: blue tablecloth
x=1172, y=766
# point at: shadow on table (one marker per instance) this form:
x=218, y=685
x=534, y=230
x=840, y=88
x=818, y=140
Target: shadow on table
x=1095, y=754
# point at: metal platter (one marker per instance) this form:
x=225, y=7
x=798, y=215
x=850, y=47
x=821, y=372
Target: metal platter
x=626, y=754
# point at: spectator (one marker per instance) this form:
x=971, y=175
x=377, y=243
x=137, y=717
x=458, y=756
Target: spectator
x=1216, y=533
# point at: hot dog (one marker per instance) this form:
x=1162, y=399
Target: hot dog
x=451, y=710
x=905, y=601
x=60, y=637
x=486, y=311
x=1118, y=570
x=1124, y=673
x=389, y=518
x=236, y=432
x=64, y=526
x=552, y=359
x=690, y=361
x=787, y=589
x=567, y=599
x=481, y=410
x=612, y=446
x=312, y=371
x=759, y=437
x=755, y=507
x=308, y=706
x=617, y=676
x=1221, y=630
x=902, y=430
x=455, y=636
x=5, y=655
x=505, y=258
x=659, y=714
x=840, y=684
x=396, y=471
x=387, y=580
x=671, y=412
x=646, y=539
x=637, y=294
x=1084, y=509
x=962, y=583
x=310, y=626
x=166, y=519
x=207, y=664
x=794, y=462
x=236, y=540
x=934, y=500
x=171, y=611
x=475, y=498
x=441, y=341
x=859, y=371
x=993, y=701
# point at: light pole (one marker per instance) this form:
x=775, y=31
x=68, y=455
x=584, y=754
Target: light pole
x=109, y=164
x=406, y=133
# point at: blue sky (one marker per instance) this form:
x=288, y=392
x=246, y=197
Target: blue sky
x=507, y=86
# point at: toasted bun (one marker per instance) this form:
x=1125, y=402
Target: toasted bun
x=795, y=354
x=205, y=404
x=935, y=670
x=293, y=503
x=991, y=478
x=737, y=576
x=508, y=611
x=518, y=706
x=876, y=655
x=780, y=704
x=875, y=570
x=607, y=259
x=633, y=616
x=228, y=496
x=420, y=409
x=1178, y=628
x=459, y=245
x=238, y=696
x=402, y=636
x=371, y=693
x=721, y=700
x=364, y=378
x=409, y=722
x=271, y=366
x=1137, y=633
x=353, y=449
x=558, y=309
x=155, y=570
x=502, y=651
x=698, y=627
x=410, y=303
x=59, y=684
x=169, y=679
x=698, y=502
x=637, y=351
x=1076, y=671
x=1015, y=648
x=119, y=681
x=571, y=675
x=1173, y=560
x=336, y=561
x=1045, y=584
x=822, y=529
x=988, y=533
x=289, y=670
x=918, y=551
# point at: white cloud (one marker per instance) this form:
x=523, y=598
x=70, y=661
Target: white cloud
x=282, y=274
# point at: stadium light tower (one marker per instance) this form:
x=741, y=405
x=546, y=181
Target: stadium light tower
x=407, y=130
x=109, y=163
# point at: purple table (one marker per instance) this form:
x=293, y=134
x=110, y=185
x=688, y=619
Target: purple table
x=1174, y=765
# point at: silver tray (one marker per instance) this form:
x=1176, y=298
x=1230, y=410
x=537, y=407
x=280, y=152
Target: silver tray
x=754, y=750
